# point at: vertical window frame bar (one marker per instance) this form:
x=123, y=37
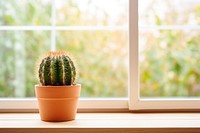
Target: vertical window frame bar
x=133, y=55
x=53, y=25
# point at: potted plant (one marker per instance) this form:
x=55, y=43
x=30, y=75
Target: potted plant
x=57, y=93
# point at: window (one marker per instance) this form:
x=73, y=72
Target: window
x=95, y=34
x=168, y=55
x=159, y=68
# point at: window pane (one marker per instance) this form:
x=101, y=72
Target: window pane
x=169, y=12
x=92, y=12
x=18, y=55
x=169, y=63
x=25, y=12
x=102, y=58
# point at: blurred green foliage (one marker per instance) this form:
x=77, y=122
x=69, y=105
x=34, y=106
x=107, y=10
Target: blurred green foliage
x=101, y=56
x=169, y=59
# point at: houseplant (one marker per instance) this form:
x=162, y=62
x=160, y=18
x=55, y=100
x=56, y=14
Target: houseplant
x=57, y=93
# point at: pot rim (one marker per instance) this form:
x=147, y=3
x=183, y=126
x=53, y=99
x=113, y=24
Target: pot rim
x=49, y=86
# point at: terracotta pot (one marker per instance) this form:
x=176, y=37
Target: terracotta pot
x=57, y=103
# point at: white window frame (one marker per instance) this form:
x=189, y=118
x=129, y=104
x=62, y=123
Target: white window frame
x=133, y=102
x=137, y=103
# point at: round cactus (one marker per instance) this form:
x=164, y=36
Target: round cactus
x=57, y=69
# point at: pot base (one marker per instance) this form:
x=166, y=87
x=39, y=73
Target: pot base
x=57, y=109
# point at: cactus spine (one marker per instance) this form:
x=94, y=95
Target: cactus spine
x=57, y=69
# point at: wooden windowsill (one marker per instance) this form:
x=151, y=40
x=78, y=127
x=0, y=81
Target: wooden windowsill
x=103, y=122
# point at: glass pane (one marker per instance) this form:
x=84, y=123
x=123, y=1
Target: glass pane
x=18, y=55
x=102, y=58
x=25, y=12
x=169, y=63
x=169, y=12
x=92, y=12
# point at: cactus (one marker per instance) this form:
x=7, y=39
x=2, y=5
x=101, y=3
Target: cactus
x=57, y=69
